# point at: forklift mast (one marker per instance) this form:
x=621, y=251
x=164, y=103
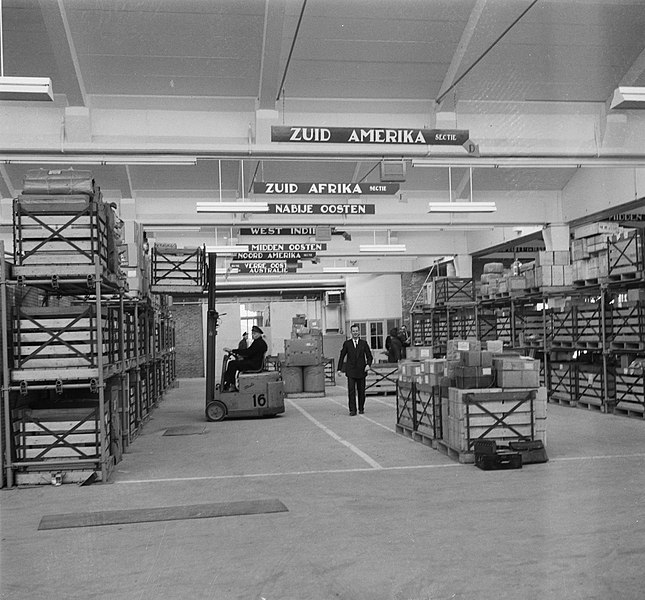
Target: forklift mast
x=211, y=326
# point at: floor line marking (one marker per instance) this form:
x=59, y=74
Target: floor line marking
x=450, y=465
x=372, y=421
x=368, y=459
x=290, y=473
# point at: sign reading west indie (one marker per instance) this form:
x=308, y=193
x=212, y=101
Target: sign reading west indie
x=327, y=189
x=322, y=209
x=278, y=230
x=369, y=135
x=288, y=256
x=265, y=267
x=291, y=247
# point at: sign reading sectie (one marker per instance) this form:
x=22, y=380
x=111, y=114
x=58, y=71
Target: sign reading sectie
x=322, y=209
x=369, y=135
x=326, y=189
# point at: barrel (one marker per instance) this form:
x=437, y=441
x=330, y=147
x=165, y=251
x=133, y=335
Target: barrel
x=314, y=378
x=292, y=379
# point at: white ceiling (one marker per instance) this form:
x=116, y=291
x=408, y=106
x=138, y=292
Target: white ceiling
x=494, y=64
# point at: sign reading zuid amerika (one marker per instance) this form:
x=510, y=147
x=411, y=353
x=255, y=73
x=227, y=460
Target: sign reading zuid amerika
x=327, y=189
x=369, y=135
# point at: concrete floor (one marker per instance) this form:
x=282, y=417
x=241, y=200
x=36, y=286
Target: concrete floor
x=372, y=515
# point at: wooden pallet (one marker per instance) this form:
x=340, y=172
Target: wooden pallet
x=563, y=401
x=582, y=403
x=454, y=454
x=635, y=412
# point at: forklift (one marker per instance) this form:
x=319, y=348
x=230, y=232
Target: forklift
x=259, y=393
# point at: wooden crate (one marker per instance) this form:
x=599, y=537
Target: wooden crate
x=381, y=378
x=405, y=404
x=563, y=382
x=630, y=393
x=591, y=387
x=58, y=434
x=62, y=230
x=63, y=337
x=492, y=414
x=428, y=410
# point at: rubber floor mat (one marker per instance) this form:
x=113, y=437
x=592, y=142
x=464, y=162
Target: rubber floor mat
x=167, y=513
x=186, y=430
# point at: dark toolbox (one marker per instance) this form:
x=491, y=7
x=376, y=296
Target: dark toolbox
x=489, y=457
x=58, y=181
x=531, y=451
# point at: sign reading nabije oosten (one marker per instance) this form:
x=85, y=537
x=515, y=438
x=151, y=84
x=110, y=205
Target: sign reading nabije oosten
x=369, y=135
x=322, y=209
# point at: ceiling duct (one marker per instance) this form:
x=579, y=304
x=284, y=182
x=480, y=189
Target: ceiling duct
x=392, y=171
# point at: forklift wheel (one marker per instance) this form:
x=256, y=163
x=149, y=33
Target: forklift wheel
x=215, y=410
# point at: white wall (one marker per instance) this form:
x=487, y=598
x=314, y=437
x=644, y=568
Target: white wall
x=373, y=297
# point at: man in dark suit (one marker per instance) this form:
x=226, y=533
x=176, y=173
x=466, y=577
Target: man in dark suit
x=356, y=357
x=252, y=358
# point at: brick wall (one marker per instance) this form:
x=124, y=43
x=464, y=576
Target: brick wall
x=189, y=340
x=411, y=284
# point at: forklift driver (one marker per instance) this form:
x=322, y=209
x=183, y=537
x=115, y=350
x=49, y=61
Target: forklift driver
x=252, y=358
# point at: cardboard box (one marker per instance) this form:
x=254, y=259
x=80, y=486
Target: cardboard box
x=595, y=228
x=495, y=346
x=518, y=379
x=419, y=352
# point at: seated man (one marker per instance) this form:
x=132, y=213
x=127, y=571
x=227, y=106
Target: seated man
x=251, y=358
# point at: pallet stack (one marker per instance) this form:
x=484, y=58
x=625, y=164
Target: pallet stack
x=73, y=398
x=478, y=392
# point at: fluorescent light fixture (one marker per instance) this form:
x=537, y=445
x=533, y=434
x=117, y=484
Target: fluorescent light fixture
x=382, y=248
x=227, y=249
x=171, y=228
x=628, y=97
x=220, y=270
x=232, y=207
x=340, y=270
x=448, y=207
x=26, y=89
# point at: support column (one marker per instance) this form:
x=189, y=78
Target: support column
x=463, y=265
x=556, y=237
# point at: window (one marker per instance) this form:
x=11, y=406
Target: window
x=375, y=332
x=248, y=318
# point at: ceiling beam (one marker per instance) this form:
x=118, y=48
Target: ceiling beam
x=271, y=51
x=462, y=47
x=60, y=38
x=7, y=181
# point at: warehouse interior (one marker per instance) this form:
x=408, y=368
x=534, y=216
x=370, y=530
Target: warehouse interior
x=173, y=173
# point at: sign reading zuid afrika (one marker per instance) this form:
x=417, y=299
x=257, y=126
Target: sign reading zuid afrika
x=369, y=135
x=327, y=189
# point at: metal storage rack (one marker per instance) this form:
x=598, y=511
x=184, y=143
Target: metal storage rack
x=80, y=373
x=585, y=346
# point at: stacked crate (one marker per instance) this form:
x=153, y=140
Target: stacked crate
x=302, y=366
x=589, y=251
x=74, y=393
x=450, y=290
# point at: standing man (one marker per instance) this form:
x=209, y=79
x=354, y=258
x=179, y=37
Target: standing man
x=244, y=342
x=359, y=358
x=406, y=340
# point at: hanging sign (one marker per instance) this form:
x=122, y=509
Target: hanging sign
x=369, y=135
x=627, y=217
x=278, y=230
x=264, y=268
x=321, y=209
x=326, y=189
x=304, y=247
x=288, y=256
